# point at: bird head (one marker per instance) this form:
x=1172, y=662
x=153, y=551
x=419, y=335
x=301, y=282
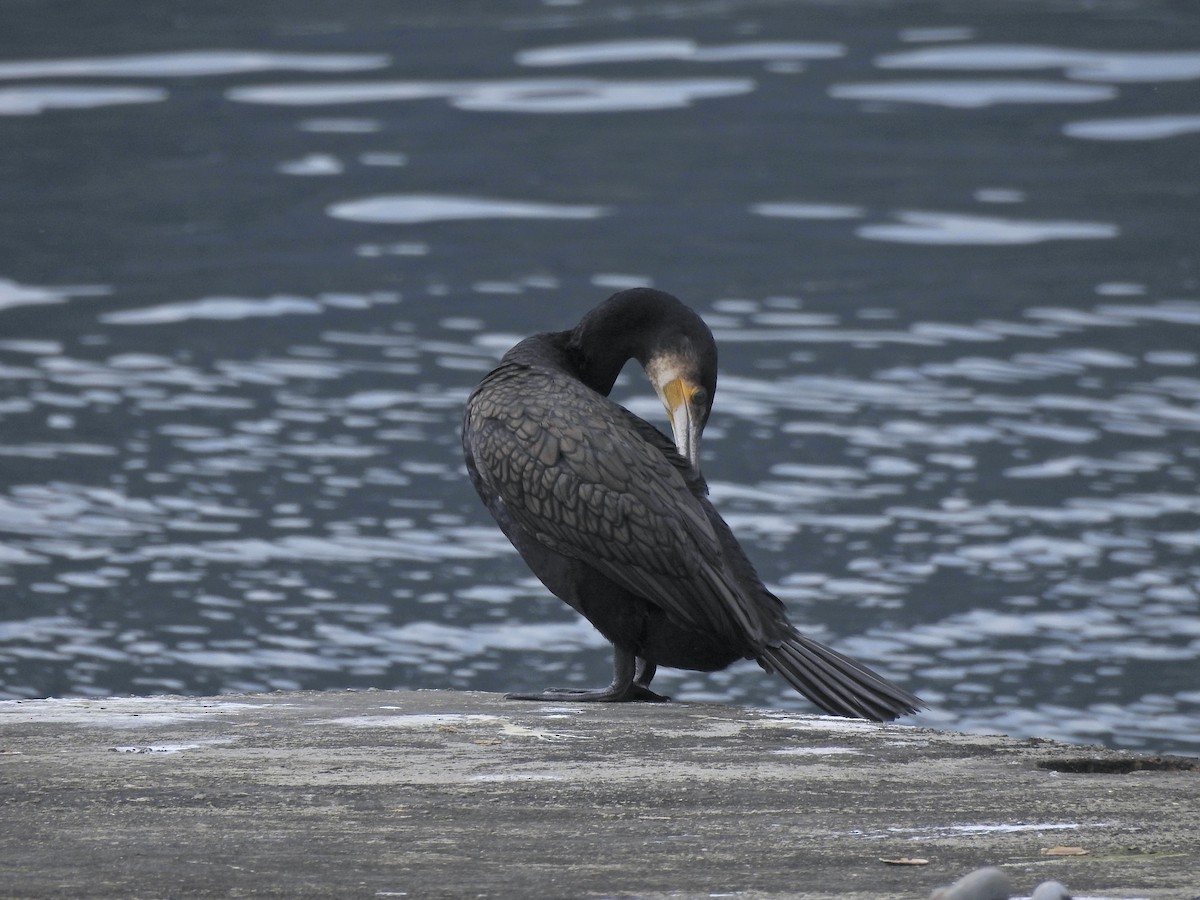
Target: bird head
x=686, y=391
x=673, y=345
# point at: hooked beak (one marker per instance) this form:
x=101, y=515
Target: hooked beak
x=677, y=398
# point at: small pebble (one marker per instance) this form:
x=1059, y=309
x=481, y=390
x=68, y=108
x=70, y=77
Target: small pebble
x=1050, y=890
x=982, y=884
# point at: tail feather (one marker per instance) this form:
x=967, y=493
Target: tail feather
x=836, y=683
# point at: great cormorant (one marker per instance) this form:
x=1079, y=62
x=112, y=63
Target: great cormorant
x=615, y=519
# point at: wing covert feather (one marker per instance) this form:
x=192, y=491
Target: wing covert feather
x=570, y=470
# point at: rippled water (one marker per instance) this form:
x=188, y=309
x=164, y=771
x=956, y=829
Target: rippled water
x=252, y=264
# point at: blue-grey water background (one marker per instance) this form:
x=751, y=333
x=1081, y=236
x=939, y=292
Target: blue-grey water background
x=254, y=256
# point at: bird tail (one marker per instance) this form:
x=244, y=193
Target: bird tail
x=836, y=683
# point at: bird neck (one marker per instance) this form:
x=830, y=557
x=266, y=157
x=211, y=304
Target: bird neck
x=597, y=364
x=599, y=346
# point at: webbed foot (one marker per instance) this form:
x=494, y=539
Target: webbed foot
x=633, y=693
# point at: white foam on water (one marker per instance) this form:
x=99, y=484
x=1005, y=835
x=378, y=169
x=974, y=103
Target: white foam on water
x=231, y=309
x=808, y=210
x=35, y=99
x=223, y=309
x=190, y=64
x=313, y=164
x=408, y=209
x=1139, y=128
x=531, y=95
x=1084, y=65
x=948, y=229
x=682, y=49
x=973, y=93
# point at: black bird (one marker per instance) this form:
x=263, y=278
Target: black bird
x=615, y=520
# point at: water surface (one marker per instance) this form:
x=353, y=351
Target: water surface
x=252, y=260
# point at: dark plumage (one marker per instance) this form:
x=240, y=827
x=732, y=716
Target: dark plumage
x=615, y=520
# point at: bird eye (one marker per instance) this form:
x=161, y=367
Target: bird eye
x=700, y=397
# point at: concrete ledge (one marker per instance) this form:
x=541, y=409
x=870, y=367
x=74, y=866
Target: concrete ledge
x=444, y=794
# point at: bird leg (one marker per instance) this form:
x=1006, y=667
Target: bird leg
x=630, y=682
x=644, y=672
